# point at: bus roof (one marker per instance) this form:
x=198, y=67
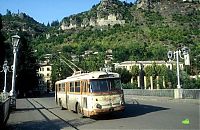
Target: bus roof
x=91, y=75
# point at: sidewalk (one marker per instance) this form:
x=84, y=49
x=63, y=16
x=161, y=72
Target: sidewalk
x=132, y=98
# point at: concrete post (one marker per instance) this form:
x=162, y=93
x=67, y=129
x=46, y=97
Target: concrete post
x=151, y=81
x=164, y=82
x=145, y=82
x=138, y=79
x=132, y=79
x=157, y=82
x=178, y=93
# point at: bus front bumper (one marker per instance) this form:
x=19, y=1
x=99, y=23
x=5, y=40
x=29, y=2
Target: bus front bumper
x=106, y=110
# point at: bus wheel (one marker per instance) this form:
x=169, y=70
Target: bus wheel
x=60, y=104
x=78, y=110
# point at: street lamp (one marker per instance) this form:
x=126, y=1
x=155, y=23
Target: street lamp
x=15, y=43
x=5, y=69
x=176, y=54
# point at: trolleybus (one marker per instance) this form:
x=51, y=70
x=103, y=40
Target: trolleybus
x=90, y=94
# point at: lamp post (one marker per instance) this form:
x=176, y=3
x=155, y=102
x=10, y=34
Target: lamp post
x=5, y=69
x=15, y=43
x=171, y=56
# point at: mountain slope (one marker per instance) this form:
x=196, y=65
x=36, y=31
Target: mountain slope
x=147, y=33
x=13, y=23
x=107, y=12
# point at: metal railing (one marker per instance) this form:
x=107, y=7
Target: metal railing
x=3, y=97
x=191, y=93
x=187, y=93
x=4, y=108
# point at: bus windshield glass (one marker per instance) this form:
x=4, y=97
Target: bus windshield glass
x=105, y=85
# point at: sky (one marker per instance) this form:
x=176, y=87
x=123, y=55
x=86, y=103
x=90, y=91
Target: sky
x=45, y=11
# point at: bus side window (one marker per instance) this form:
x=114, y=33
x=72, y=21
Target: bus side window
x=71, y=86
x=63, y=87
x=59, y=87
x=77, y=86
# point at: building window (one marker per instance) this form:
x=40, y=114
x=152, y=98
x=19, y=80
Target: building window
x=47, y=74
x=48, y=69
x=42, y=69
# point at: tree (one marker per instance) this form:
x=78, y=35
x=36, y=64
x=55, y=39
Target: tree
x=125, y=75
x=135, y=71
x=2, y=51
x=157, y=70
x=92, y=62
x=8, y=12
x=149, y=70
x=59, y=70
x=2, y=46
x=55, y=23
x=189, y=83
x=157, y=51
x=121, y=53
x=48, y=25
x=26, y=79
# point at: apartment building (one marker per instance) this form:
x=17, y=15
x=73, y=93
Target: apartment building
x=44, y=74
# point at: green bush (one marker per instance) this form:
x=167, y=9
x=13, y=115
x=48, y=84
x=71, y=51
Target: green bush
x=129, y=86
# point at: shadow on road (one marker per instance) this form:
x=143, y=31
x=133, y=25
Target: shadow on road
x=50, y=94
x=132, y=110
x=41, y=125
x=18, y=110
x=44, y=95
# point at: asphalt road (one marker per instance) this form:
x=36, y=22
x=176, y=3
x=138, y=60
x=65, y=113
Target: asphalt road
x=43, y=113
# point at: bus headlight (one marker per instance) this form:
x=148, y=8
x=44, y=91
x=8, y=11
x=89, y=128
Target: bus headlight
x=122, y=102
x=99, y=106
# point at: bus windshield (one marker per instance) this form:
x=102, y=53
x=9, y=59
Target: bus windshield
x=105, y=85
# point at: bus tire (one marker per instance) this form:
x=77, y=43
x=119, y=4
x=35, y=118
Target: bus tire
x=78, y=110
x=60, y=104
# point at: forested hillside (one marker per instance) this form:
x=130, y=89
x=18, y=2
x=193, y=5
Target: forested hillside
x=149, y=31
x=112, y=30
x=20, y=22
